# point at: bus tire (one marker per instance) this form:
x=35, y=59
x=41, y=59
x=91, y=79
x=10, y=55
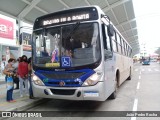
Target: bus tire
x=114, y=94
x=130, y=75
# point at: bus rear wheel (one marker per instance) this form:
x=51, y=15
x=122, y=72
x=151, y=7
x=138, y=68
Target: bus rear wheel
x=130, y=74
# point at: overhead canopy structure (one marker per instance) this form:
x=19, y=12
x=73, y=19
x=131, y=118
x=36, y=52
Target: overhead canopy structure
x=121, y=13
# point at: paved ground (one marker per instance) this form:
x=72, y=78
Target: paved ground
x=139, y=94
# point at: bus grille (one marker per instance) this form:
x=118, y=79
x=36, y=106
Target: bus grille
x=63, y=92
x=63, y=76
x=66, y=83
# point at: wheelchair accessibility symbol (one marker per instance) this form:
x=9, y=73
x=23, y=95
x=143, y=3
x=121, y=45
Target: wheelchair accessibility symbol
x=66, y=61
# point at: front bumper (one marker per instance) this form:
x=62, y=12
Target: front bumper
x=95, y=93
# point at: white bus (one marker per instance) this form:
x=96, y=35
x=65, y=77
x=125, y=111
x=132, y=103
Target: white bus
x=79, y=55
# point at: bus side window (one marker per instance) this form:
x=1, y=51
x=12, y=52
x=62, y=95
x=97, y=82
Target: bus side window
x=106, y=40
x=118, y=43
x=122, y=50
x=104, y=37
x=114, y=42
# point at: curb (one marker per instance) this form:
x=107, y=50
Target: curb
x=27, y=106
x=24, y=107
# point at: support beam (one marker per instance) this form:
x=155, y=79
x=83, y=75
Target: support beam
x=38, y=8
x=28, y=8
x=135, y=49
x=114, y=5
x=127, y=16
x=132, y=42
x=112, y=11
x=20, y=49
x=87, y=2
x=132, y=39
x=132, y=36
x=114, y=14
x=14, y=17
x=123, y=23
x=9, y=15
x=63, y=3
x=129, y=30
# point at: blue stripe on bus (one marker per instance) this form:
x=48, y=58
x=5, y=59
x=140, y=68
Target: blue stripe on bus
x=68, y=82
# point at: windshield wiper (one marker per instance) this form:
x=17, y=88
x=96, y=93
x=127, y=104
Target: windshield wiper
x=73, y=30
x=66, y=40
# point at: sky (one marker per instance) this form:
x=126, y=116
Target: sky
x=147, y=13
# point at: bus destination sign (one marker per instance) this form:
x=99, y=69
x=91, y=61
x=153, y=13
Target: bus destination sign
x=67, y=16
x=66, y=19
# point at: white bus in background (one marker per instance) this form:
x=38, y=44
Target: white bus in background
x=79, y=55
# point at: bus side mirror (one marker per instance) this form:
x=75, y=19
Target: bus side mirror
x=108, y=54
x=110, y=30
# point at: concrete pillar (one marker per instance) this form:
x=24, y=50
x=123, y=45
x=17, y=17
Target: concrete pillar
x=1, y=59
x=20, y=49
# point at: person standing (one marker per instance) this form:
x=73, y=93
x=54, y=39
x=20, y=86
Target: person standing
x=15, y=77
x=8, y=71
x=23, y=75
x=29, y=78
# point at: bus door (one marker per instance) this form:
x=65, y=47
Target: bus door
x=108, y=62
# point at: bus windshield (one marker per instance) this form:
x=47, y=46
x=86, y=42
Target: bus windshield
x=66, y=46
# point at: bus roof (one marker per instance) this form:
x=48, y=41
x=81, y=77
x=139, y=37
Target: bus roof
x=38, y=21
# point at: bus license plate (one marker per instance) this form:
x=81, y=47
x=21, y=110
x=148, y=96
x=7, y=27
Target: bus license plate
x=91, y=94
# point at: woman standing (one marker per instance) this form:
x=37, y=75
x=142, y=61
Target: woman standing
x=23, y=75
x=8, y=71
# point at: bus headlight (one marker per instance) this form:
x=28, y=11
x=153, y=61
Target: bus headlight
x=37, y=81
x=93, y=79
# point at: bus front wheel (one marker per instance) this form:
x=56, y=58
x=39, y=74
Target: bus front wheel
x=114, y=94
